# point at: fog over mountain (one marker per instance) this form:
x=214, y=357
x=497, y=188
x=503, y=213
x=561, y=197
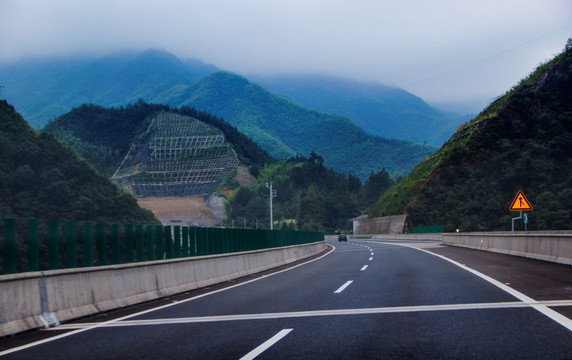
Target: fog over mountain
x=44, y=89
x=448, y=53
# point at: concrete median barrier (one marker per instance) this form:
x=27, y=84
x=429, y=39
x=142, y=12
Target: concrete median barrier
x=40, y=299
x=548, y=247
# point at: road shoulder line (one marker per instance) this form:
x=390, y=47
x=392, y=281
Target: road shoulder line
x=555, y=316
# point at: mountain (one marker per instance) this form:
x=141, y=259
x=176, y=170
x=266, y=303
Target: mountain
x=105, y=135
x=44, y=89
x=41, y=178
x=285, y=129
x=316, y=196
x=522, y=141
x=385, y=111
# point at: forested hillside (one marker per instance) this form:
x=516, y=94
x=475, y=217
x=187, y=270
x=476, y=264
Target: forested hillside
x=309, y=196
x=521, y=141
x=44, y=89
x=285, y=129
x=40, y=177
x=380, y=110
x=104, y=135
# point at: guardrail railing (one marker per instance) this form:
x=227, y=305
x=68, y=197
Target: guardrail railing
x=53, y=245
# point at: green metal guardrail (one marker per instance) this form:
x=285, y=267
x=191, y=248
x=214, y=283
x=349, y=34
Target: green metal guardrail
x=119, y=244
x=428, y=229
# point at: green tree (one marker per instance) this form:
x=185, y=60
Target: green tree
x=312, y=207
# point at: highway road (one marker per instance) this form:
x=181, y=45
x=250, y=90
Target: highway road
x=363, y=300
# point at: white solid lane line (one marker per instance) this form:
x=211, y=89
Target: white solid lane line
x=343, y=287
x=559, y=318
x=333, y=312
x=264, y=346
x=363, y=268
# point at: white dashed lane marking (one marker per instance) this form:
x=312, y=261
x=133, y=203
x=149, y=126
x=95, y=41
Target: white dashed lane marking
x=267, y=344
x=343, y=287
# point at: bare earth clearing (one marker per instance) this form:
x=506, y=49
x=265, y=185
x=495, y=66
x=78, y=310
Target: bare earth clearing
x=195, y=207
x=184, y=206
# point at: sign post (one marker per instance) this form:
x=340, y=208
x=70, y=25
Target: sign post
x=520, y=203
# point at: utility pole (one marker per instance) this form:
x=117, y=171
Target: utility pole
x=272, y=194
x=1, y=87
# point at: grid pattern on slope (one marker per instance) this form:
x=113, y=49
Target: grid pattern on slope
x=187, y=157
x=183, y=154
x=182, y=176
x=168, y=125
x=227, y=161
x=164, y=190
x=184, y=142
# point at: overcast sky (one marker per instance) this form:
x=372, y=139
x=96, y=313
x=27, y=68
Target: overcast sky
x=448, y=51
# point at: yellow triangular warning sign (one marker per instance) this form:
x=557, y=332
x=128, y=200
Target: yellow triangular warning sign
x=520, y=203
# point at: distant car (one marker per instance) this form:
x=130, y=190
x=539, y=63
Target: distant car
x=342, y=237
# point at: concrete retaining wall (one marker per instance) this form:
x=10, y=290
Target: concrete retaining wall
x=382, y=225
x=40, y=299
x=548, y=247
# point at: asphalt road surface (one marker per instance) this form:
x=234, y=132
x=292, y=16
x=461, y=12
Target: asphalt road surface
x=364, y=300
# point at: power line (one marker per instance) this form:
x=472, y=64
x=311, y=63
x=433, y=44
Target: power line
x=482, y=61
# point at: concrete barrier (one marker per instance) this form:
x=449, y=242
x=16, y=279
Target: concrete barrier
x=40, y=299
x=410, y=237
x=554, y=246
x=548, y=247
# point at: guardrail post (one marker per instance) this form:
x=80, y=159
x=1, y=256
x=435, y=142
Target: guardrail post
x=168, y=243
x=87, y=244
x=262, y=237
x=213, y=241
x=186, y=249
x=129, y=243
x=33, y=245
x=237, y=244
x=115, y=244
x=9, y=266
x=101, y=246
x=199, y=248
x=53, y=245
x=278, y=238
x=226, y=240
x=140, y=242
x=216, y=238
x=223, y=245
x=242, y=240
x=193, y=241
x=159, y=243
x=71, y=241
x=150, y=242
x=177, y=242
x=203, y=245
